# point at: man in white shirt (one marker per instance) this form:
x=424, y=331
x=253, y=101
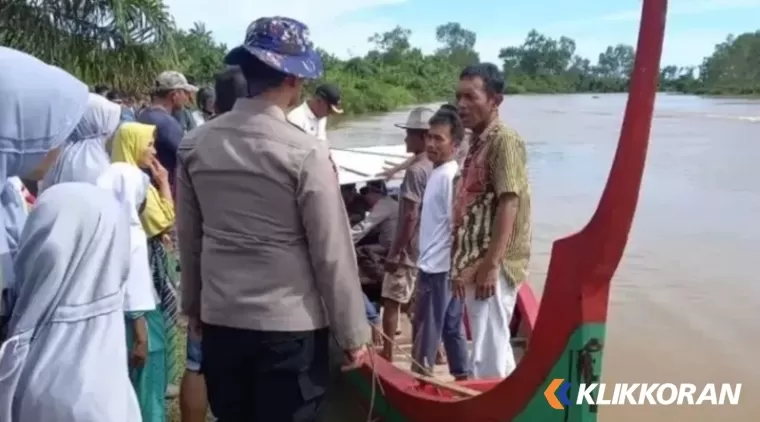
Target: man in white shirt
x=438, y=314
x=311, y=115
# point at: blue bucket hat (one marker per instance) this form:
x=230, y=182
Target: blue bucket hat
x=283, y=44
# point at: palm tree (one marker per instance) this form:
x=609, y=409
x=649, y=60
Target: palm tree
x=109, y=41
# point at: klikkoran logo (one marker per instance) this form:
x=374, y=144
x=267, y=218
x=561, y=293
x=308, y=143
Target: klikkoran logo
x=558, y=394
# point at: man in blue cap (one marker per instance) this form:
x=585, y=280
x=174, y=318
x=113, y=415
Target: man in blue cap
x=266, y=254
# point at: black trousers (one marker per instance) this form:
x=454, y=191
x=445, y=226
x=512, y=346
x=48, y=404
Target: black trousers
x=265, y=376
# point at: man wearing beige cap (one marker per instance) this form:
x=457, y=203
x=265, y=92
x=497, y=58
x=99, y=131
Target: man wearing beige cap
x=171, y=92
x=401, y=264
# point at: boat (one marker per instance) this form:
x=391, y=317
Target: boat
x=565, y=331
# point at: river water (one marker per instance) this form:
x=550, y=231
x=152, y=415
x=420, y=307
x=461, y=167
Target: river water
x=686, y=298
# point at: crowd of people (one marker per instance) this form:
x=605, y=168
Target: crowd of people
x=232, y=214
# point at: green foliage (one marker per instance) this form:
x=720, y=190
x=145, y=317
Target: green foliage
x=733, y=69
x=106, y=40
x=198, y=55
x=125, y=43
x=394, y=74
x=545, y=65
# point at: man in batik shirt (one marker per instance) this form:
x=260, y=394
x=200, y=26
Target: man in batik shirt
x=492, y=232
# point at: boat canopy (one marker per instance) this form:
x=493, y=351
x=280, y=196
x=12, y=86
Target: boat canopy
x=361, y=165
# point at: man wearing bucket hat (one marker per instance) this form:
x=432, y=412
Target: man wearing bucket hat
x=401, y=263
x=263, y=213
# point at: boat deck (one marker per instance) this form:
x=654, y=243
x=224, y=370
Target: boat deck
x=440, y=372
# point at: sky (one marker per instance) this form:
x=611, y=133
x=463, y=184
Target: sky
x=343, y=27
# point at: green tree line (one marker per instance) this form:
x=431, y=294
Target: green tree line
x=125, y=43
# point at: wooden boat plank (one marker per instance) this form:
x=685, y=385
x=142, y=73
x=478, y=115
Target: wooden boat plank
x=455, y=388
x=441, y=373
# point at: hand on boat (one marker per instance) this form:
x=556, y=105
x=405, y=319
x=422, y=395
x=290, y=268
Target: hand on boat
x=355, y=358
x=377, y=335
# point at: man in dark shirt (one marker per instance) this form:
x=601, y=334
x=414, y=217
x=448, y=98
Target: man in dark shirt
x=171, y=93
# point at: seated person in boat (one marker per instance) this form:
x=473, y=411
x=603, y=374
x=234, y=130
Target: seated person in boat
x=356, y=205
x=381, y=219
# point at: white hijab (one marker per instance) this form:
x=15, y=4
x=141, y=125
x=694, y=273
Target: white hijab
x=66, y=358
x=39, y=107
x=84, y=154
x=130, y=186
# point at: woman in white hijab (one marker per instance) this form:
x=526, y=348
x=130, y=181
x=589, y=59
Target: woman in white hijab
x=64, y=360
x=83, y=156
x=39, y=107
x=130, y=185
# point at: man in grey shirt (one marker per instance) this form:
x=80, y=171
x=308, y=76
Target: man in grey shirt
x=401, y=264
x=381, y=219
x=266, y=252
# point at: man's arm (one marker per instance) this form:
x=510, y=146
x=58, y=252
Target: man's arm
x=389, y=173
x=375, y=218
x=171, y=135
x=414, y=183
x=189, y=235
x=331, y=250
x=508, y=174
x=448, y=196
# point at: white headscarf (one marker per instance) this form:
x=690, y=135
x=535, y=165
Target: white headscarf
x=130, y=185
x=39, y=107
x=66, y=357
x=17, y=183
x=84, y=154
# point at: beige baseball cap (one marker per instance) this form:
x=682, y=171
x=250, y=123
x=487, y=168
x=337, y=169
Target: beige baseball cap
x=170, y=80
